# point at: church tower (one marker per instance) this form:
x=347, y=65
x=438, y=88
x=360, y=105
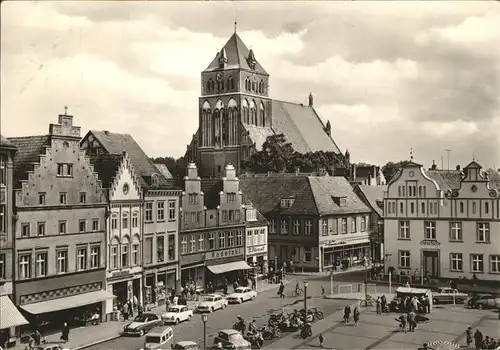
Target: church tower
x=234, y=92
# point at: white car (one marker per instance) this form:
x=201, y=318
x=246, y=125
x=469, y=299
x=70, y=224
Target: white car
x=176, y=314
x=211, y=302
x=242, y=294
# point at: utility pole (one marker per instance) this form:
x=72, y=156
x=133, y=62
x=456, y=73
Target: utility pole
x=442, y=163
x=448, y=153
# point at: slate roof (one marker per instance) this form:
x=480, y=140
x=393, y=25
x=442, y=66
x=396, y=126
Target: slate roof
x=302, y=127
x=326, y=187
x=266, y=192
x=163, y=169
x=4, y=143
x=29, y=149
x=106, y=166
x=261, y=219
x=237, y=54
x=116, y=144
x=211, y=189
x=446, y=179
x=374, y=194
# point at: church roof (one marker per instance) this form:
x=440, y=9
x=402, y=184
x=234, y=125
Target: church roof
x=237, y=55
x=302, y=127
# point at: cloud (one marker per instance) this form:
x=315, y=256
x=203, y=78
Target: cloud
x=389, y=76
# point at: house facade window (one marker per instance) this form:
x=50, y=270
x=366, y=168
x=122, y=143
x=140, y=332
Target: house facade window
x=363, y=224
x=83, y=197
x=82, y=226
x=308, y=227
x=62, y=198
x=114, y=257
x=230, y=239
x=404, y=229
x=149, y=211
x=483, y=232
x=239, y=238
x=296, y=227
x=272, y=226
x=184, y=245
x=495, y=263
x=160, y=211
x=114, y=221
x=25, y=266
x=353, y=224
x=283, y=227
x=172, y=210
x=249, y=238
x=171, y=247
x=25, y=230
x=404, y=259
x=41, y=198
x=211, y=241
x=95, y=225
x=81, y=258
x=343, y=225
x=307, y=254
x=95, y=257
x=160, y=248
x=456, y=231
x=476, y=263
x=41, y=264
x=222, y=240
x=324, y=227
x=430, y=229
x=456, y=262
x=41, y=228
x=192, y=244
x=135, y=254
x=201, y=243
x=3, y=267
x=62, y=261
x=125, y=220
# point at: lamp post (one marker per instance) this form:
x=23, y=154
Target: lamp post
x=204, y=318
x=366, y=282
x=305, y=301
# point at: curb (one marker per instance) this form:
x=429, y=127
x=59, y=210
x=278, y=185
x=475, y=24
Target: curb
x=97, y=342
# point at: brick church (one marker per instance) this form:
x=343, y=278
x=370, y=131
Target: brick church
x=236, y=114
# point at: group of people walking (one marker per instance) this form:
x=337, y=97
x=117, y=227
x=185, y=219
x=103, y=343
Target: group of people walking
x=480, y=342
x=355, y=315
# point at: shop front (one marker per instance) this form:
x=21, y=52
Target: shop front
x=125, y=285
x=193, y=270
x=354, y=251
x=256, y=257
x=226, y=264
x=159, y=284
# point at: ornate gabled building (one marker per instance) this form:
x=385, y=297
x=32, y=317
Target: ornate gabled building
x=443, y=223
x=60, y=229
x=236, y=114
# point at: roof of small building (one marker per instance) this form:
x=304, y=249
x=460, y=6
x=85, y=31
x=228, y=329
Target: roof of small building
x=29, y=149
x=374, y=195
x=163, y=169
x=5, y=143
x=237, y=54
x=106, y=166
x=446, y=179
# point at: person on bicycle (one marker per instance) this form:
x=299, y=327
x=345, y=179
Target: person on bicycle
x=297, y=288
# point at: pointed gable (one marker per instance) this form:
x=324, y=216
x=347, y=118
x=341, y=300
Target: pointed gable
x=237, y=55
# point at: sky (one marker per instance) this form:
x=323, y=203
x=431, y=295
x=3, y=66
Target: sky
x=390, y=76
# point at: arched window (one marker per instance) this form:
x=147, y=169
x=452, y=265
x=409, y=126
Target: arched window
x=247, y=84
x=253, y=113
x=254, y=86
x=245, y=111
x=230, y=83
x=232, y=110
x=461, y=207
x=399, y=191
x=206, y=124
x=262, y=121
x=261, y=87
x=218, y=113
x=423, y=208
x=209, y=85
x=212, y=85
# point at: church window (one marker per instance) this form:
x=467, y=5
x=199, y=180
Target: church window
x=230, y=83
x=253, y=113
x=248, y=84
x=208, y=86
x=262, y=121
x=245, y=112
x=261, y=87
x=206, y=124
x=254, y=86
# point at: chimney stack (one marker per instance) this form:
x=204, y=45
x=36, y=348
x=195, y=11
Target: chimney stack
x=433, y=166
x=458, y=167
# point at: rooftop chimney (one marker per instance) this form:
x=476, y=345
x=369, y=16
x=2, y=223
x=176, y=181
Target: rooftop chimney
x=433, y=166
x=458, y=167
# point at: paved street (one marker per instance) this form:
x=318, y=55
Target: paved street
x=267, y=302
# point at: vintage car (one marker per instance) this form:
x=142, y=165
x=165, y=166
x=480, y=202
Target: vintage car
x=241, y=294
x=211, y=302
x=447, y=295
x=232, y=339
x=50, y=346
x=159, y=338
x=176, y=314
x=483, y=301
x=397, y=304
x=185, y=345
x=142, y=324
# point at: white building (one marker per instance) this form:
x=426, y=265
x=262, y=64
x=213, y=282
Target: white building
x=443, y=223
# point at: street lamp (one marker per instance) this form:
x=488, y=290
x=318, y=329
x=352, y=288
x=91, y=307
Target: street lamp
x=305, y=301
x=204, y=318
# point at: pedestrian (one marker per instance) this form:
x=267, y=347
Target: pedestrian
x=130, y=308
x=254, y=283
x=402, y=322
x=355, y=316
x=468, y=336
x=347, y=313
x=478, y=339
x=125, y=311
x=281, y=290
x=65, y=333
x=383, y=302
x=378, y=303
x=37, y=337
x=321, y=340
x=322, y=290
x=412, y=323
x=140, y=309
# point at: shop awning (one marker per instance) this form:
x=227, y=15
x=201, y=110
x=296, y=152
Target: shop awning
x=68, y=302
x=11, y=317
x=232, y=266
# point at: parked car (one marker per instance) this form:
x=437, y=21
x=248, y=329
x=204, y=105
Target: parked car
x=446, y=295
x=185, y=345
x=142, y=324
x=483, y=301
x=241, y=294
x=176, y=314
x=50, y=346
x=211, y=302
x=159, y=338
x=230, y=338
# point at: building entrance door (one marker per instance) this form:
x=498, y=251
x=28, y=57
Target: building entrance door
x=431, y=263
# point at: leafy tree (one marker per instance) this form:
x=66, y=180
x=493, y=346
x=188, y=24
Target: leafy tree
x=177, y=167
x=390, y=169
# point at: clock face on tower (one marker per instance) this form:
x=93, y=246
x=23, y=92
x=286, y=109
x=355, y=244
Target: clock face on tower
x=411, y=173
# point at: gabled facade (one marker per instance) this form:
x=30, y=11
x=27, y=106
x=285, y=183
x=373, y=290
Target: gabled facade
x=236, y=114
x=315, y=221
x=212, y=229
x=60, y=241
x=443, y=223
x=256, y=233
x=123, y=227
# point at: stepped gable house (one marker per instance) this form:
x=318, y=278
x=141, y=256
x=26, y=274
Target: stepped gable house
x=236, y=114
x=60, y=227
x=143, y=225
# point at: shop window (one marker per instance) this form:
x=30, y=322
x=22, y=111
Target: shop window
x=307, y=254
x=160, y=248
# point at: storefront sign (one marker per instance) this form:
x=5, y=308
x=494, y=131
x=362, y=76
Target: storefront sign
x=430, y=242
x=120, y=273
x=332, y=243
x=227, y=253
x=257, y=249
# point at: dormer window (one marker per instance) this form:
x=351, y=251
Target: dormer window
x=287, y=202
x=251, y=214
x=340, y=201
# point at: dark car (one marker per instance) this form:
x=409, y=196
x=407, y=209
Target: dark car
x=142, y=324
x=478, y=299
